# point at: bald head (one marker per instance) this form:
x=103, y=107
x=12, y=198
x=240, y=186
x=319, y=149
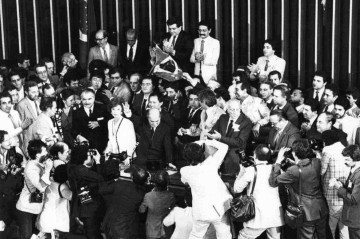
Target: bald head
x=101, y=38
x=154, y=117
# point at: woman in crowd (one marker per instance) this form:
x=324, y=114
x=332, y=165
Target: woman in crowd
x=158, y=203
x=121, y=131
x=55, y=215
x=36, y=179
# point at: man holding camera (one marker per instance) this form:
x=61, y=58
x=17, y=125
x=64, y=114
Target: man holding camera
x=85, y=181
x=36, y=179
x=10, y=181
x=312, y=199
x=268, y=219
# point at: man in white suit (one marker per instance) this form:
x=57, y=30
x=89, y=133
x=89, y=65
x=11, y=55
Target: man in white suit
x=206, y=53
x=211, y=198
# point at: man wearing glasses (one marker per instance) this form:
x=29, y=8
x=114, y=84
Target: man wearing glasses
x=104, y=51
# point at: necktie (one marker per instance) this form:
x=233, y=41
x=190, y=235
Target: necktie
x=191, y=113
x=90, y=112
x=317, y=97
x=131, y=53
x=173, y=41
x=37, y=108
x=143, y=107
x=266, y=65
x=229, y=127
x=202, y=46
x=152, y=132
x=326, y=108
x=106, y=59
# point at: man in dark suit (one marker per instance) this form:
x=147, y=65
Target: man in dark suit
x=178, y=44
x=281, y=103
x=325, y=121
x=232, y=129
x=134, y=56
x=140, y=100
x=104, y=51
x=317, y=91
x=154, y=141
x=265, y=92
x=309, y=111
x=90, y=122
x=283, y=132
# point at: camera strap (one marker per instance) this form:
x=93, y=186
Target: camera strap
x=61, y=196
x=115, y=135
x=254, y=181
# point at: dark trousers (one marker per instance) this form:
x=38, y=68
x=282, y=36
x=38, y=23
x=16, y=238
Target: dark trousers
x=92, y=227
x=354, y=233
x=26, y=222
x=312, y=228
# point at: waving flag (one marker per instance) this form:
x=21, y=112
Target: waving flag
x=165, y=66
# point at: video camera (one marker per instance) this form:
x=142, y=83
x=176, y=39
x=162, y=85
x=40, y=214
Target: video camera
x=245, y=160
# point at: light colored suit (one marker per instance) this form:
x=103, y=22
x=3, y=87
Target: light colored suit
x=211, y=55
x=211, y=198
x=26, y=111
x=42, y=128
x=95, y=54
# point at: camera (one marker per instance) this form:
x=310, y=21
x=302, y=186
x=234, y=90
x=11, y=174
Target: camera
x=244, y=159
x=288, y=160
x=92, y=152
x=316, y=144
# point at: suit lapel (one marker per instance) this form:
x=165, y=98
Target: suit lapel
x=30, y=108
x=282, y=136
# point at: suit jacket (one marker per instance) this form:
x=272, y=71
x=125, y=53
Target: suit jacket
x=312, y=197
x=95, y=54
x=97, y=137
x=350, y=193
x=141, y=62
x=42, y=128
x=286, y=138
x=155, y=147
x=209, y=65
x=236, y=139
x=309, y=93
x=183, y=47
x=291, y=114
x=26, y=111
x=137, y=103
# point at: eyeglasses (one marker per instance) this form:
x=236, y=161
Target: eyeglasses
x=115, y=77
x=99, y=39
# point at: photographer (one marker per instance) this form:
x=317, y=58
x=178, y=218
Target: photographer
x=314, y=204
x=11, y=180
x=88, y=203
x=36, y=179
x=122, y=217
x=266, y=218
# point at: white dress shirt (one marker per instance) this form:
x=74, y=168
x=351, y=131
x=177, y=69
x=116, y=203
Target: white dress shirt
x=11, y=125
x=134, y=50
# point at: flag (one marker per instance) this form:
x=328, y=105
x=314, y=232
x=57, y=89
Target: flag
x=165, y=66
x=87, y=24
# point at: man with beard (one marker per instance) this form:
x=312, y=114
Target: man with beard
x=28, y=108
x=344, y=122
x=90, y=122
x=281, y=103
x=232, y=129
x=118, y=87
x=175, y=104
x=308, y=126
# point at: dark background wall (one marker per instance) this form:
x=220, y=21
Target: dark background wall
x=313, y=35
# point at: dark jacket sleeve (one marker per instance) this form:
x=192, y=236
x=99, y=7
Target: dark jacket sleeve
x=352, y=198
x=276, y=177
x=168, y=147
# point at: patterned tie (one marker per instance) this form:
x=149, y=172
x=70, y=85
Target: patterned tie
x=202, y=46
x=266, y=65
x=131, y=53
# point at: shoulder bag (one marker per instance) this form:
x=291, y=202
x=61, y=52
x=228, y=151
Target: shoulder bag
x=243, y=207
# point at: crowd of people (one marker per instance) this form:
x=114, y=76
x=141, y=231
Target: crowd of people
x=93, y=151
